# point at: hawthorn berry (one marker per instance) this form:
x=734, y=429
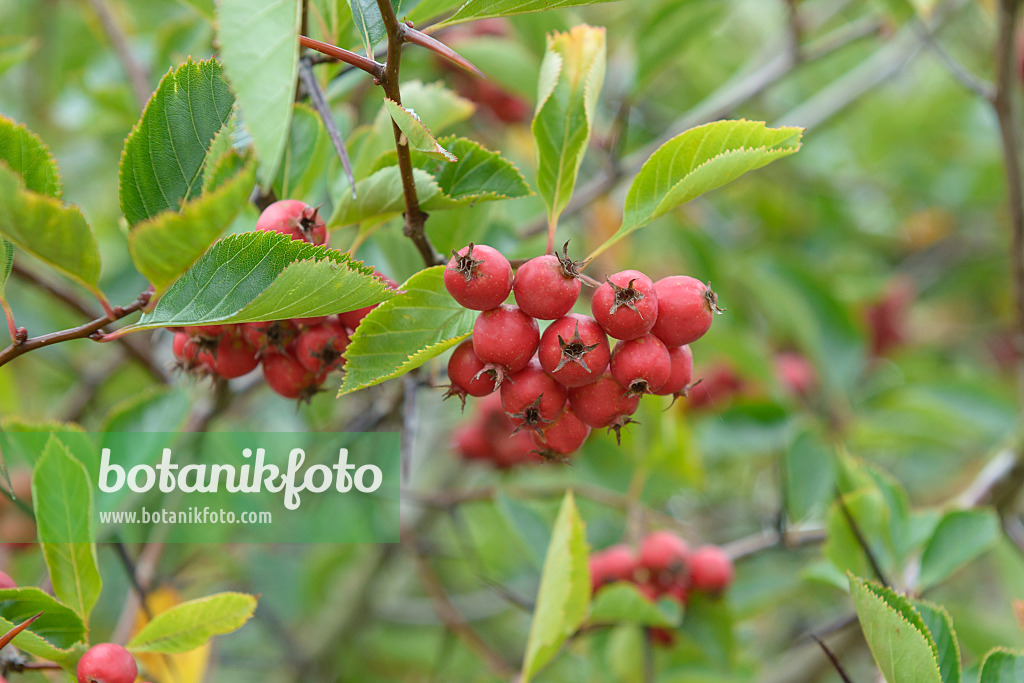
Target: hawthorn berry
x=478, y=277
x=686, y=307
x=207, y=331
x=604, y=403
x=7, y=582
x=617, y=563
x=681, y=373
x=491, y=437
x=531, y=398
x=471, y=442
x=233, y=357
x=626, y=305
x=319, y=349
x=546, y=287
x=711, y=569
x=107, y=663
x=289, y=378
x=564, y=436
x=716, y=388
x=351, y=319
x=186, y=351
x=506, y=338
x=468, y=374
x=574, y=350
x=294, y=218
x=795, y=373
x=663, y=551
x=270, y=336
x=642, y=365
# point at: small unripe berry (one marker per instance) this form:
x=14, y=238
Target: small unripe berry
x=642, y=365
x=288, y=378
x=505, y=337
x=663, y=551
x=574, y=350
x=294, y=218
x=478, y=277
x=564, y=436
x=468, y=373
x=531, y=398
x=681, y=374
x=107, y=663
x=319, y=349
x=604, y=403
x=686, y=307
x=7, y=582
x=626, y=305
x=617, y=563
x=546, y=287
x=711, y=569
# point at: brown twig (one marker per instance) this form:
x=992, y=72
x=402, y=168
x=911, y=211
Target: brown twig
x=316, y=95
x=375, y=69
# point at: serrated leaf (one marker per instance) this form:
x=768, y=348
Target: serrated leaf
x=223, y=159
x=49, y=230
x=1002, y=666
x=190, y=624
x=65, y=518
x=940, y=626
x=416, y=133
x=961, y=536
x=564, y=595
x=14, y=50
x=255, y=276
x=698, y=161
x=59, y=625
x=38, y=646
x=622, y=602
x=27, y=156
x=167, y=245
x=404, y=333
x=368, y=22
x=480, y=9
x=163, y=157
x=896, y=635
x=259, y=45
x=571, y=76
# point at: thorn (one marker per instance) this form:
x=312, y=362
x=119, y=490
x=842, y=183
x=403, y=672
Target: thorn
x=435, y=45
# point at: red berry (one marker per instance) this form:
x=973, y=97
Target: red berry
x=311, y=322
x=715, y=388
x=663, y=551
x=351, y=319
x=796, y=373
x=471, y=442
x=505, y=337
x=686, y=307
x=296, y=219
x=274, y=335
x=7, y=582
x=574, y=350
x=478, y=277
x=319, y=349
x=288, y=378
x=563, y=436
x=207, y=331
x=547, y=287
x=682, y=372
x=642, y=365
x=107, y=663
x=711, y=570
x=604, y=403
x=531, y=398
x=468, y=373
x=234, y=357
x=661, y=636
x=626, y=305
x=185, y=350
x=616, y=563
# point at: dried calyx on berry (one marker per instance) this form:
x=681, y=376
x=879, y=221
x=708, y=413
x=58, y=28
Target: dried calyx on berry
x=465, y=264
x=571, y=269
x=626, y=296
x=574, y=350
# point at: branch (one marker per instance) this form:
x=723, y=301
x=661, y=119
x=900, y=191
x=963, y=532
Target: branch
x=316, y=94
x=414, y=216
x=137, y=76
x=375, y=69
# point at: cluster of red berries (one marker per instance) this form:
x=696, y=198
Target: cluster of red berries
x=560, y=384
x=296, y=355
x=664, y=567
x=491, y=437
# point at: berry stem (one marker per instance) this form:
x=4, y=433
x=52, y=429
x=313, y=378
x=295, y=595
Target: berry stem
x=552, y=224
x=9, y=315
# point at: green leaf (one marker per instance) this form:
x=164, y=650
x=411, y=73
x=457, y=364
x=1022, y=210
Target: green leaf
x=60, y=625
x=6, y=263
x=259, y=45
x=191, y=624
x=698, y=161
x=940, y=626
x=38, y=646
x=27, y=156
x=223, y=160
x=49, y=230
x=899, y=641
x=1002, y=666
x=368, y=22
x=163, y=157
x=167, y=245
x=480, y=9
x=404, y=333
x=417, y=134
x=564, y=590
x=62, y=496
x=623, y=602
x=305, y=156
x=14, y=50
x=809, y=475
x=961, y=536
x=479, y=175
x=254, y=276
x=571, y=76
x=625, y=653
